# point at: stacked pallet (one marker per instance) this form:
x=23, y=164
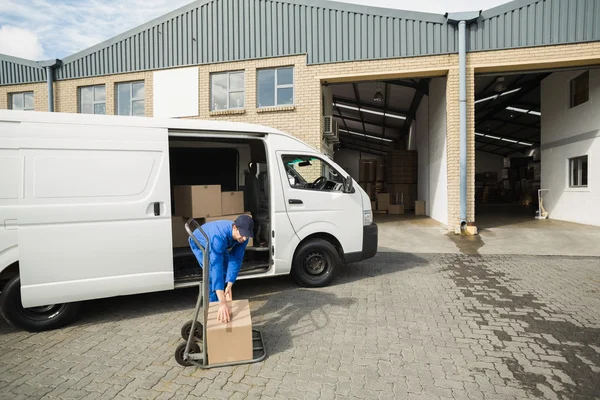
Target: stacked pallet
x=402, y=177
x=367, y=176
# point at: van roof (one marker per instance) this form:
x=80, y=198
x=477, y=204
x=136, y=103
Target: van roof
x=151, y=122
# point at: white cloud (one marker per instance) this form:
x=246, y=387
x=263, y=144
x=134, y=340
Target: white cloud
x=19, y=42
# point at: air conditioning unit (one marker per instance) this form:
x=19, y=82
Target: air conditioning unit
x=330, y=129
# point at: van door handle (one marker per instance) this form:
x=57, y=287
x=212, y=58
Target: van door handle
x=295, y=201
x=156, y=209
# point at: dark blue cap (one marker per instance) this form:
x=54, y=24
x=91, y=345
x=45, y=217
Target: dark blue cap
x=245, y=225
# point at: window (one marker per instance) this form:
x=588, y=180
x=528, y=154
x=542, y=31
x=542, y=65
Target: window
x=227, y=90
x=131, y=98
x=580, y=89
x=275, y=87
x=578, y=172
x=308, y=172
x=92, y=99
x=22, y=101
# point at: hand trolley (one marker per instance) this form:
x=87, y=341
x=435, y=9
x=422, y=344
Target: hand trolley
x=195, y=349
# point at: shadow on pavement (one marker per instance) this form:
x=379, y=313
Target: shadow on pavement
x=281, y=309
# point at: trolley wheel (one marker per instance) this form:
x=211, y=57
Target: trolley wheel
x=194, y=349
x=187, y=327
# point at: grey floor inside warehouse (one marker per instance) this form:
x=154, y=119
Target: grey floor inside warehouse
x=503, y=229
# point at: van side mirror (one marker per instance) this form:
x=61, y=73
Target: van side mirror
x=348, y=184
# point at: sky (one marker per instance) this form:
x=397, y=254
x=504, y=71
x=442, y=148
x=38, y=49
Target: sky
x=46, y=29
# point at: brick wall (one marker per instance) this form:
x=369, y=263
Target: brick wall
x=66, y=93
x=40, y=95
x=304, y=118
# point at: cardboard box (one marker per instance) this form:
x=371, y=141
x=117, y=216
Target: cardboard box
x=396, y=209
x=404, y=194
x=230, y=341
x=197, y=201
x=383, y=201
x=232, y=203
x=180, y=235
x=420, y=207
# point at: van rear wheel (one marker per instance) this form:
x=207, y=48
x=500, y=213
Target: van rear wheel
x=315, y=263
x=34, y=319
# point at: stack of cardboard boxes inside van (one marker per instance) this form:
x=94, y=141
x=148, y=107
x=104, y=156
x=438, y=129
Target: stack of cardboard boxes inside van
x=204, y=203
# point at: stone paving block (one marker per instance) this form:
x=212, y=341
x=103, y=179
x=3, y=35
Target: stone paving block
x=434, y=337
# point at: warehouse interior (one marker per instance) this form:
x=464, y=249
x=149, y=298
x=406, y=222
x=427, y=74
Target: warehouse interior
x=391, y=138
x=527, y=127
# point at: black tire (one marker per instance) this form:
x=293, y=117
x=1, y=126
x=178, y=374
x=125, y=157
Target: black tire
x=187, y=327
x=35, y=319
x=194, y=348
x=315, y=263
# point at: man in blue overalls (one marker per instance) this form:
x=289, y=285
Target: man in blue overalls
x=228, y=241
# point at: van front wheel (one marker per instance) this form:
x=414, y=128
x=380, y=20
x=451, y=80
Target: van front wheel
x=34, y=319
x=315, y=263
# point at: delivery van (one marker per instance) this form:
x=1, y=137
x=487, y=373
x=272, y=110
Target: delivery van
x=94, y=206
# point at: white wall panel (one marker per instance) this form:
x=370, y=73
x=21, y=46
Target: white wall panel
x=176, y=93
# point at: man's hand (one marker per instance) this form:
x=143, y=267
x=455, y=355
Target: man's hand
x=228, y=292
x=223, y=313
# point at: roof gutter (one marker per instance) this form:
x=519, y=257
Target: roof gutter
x=50, y=65
x=462, y=19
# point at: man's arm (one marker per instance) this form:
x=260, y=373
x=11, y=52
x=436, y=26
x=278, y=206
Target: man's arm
x=235, y=261
x=217, y=253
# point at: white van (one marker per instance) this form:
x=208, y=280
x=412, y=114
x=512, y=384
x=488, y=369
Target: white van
x=86, y=206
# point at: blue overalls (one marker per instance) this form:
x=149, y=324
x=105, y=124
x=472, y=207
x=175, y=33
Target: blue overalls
x=225, y=254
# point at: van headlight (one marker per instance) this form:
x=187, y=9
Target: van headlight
x=367, y=217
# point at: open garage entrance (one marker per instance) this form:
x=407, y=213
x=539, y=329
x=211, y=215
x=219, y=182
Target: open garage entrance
x=534, y=135
x=392, y=140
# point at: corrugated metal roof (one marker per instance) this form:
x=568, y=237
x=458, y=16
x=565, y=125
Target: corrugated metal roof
x=15, y=70
x=230, y=30
x=213, y=31
x=526, y=23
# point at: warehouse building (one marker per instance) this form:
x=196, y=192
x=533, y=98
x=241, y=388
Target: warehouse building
x=460, y=117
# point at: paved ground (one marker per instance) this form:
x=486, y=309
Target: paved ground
x=400, y=326
x=505, y=230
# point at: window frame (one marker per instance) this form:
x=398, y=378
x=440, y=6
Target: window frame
x=579, y=170
x=322, y=160
x=22, y=94
x=131, y=99
x=228, y=90
x=583, y=77
x=94, y=102
x=277, y=86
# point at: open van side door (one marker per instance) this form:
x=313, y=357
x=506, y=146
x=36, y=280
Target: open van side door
x=94, y=217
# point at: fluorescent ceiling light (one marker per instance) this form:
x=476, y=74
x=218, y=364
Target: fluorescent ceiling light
x=524, y=111
x=510, y=92
x=494, y=97
x=521, y=110
x=369, y=111
x=486, y=99
x=366, y=136
x=504, y=139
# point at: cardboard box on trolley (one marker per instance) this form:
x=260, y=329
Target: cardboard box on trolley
x=230, y=341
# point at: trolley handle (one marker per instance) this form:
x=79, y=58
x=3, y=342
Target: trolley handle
x=190, y=230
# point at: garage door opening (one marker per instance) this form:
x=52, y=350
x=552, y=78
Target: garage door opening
x=392, y=140
x=528, y=143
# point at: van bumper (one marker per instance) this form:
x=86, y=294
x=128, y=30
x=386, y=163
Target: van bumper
x=369, y=245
